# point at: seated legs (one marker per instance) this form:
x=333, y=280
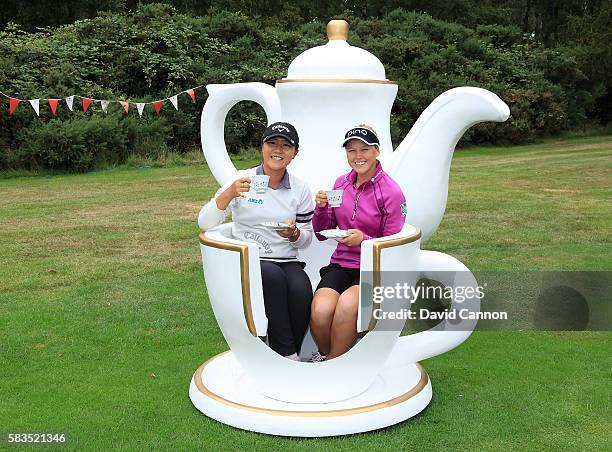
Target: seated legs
x=344, y=325
x=333, y=320
x=287, y=298
x=322, y=316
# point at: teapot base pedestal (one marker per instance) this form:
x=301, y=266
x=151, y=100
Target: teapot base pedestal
x=221, y=390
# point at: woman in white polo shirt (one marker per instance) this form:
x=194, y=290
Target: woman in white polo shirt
x=286, y=287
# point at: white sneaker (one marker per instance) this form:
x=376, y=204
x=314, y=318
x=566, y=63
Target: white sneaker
x=293, y=357
x=317, y=357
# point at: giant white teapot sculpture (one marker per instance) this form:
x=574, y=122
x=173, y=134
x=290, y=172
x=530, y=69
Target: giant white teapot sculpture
x=329, y=89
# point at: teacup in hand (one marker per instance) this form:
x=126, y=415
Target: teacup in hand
x=334, y=197
x=259, y=182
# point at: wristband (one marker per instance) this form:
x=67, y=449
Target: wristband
x=294, y=232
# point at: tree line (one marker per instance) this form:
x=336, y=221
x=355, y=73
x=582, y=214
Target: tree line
x=549, y=60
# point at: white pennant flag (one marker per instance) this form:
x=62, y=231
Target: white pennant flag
x=174, y=100
x=140, y=107
x=35, y=103
x=69, y=101
x=104, y=104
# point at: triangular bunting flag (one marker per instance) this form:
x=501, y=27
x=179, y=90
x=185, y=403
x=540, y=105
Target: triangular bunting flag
x=35, y=103
x=69, y=102
x=125, y=105
x=13, y=103
x=174, y=100
x=104, y=104
x=191, y=94
x=86, y=103
x=157, y=106
x=53, y=105
x=140, y=107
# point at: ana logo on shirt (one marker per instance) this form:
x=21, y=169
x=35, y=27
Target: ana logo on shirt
x=255, y=201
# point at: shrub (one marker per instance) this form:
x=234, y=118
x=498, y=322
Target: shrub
x=82, y=143
x=156, y=52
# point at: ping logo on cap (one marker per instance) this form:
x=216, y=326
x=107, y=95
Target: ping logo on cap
x=362, y=133
x=352, y=132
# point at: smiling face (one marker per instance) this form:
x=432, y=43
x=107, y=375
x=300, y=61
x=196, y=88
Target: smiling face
x=361, y=156
x=277, y=153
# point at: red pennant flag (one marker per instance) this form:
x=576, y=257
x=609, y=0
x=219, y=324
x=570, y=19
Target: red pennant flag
x=125, y=105
x=157, y=106
x=191, y=94
x=86, y=103
x=53, y=104
x=13, y=104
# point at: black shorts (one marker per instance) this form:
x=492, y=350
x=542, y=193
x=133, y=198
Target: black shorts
x=338, y=278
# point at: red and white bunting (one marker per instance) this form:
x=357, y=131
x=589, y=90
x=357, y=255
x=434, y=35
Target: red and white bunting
x=13, y=104
x=191, y=93
x=157, y=106
x=35, y=103
x=53, y=104
x=174, y=101
x=140, y=108
x=70, y=102
x=86, y=102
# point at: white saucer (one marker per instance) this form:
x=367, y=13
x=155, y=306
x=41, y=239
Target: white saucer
x=222, y=391
x=334, y=233
x=274, y=225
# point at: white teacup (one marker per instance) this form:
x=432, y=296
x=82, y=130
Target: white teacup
x=334, y=197
x=259, y=182
x=353, y=372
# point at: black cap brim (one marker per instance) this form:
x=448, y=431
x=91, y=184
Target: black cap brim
x=361, y=139
x=277, y=135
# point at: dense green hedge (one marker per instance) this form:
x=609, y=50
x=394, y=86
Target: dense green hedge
x=157, y=52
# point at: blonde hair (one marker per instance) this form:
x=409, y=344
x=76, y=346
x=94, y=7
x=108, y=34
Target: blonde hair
x=369, y=127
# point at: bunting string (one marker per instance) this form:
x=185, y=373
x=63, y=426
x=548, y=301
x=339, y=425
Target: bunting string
x=104, y=103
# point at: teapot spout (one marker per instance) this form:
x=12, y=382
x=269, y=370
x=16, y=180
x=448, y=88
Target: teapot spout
x=421, y=163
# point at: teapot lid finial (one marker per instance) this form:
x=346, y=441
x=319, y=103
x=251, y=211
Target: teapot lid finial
x=337, y=30
x=336, y=60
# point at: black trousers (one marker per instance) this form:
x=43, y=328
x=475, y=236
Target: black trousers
x=287, y=297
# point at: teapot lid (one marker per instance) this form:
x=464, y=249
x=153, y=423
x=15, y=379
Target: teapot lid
x=336, y=60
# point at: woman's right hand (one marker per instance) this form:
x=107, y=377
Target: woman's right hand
x=237, y=190
x=239, y=187
x=321, y=199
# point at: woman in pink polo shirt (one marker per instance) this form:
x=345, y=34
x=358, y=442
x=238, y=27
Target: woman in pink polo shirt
x=373, y=205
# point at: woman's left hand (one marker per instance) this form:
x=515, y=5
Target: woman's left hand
x=354, y=238
x=289, y=232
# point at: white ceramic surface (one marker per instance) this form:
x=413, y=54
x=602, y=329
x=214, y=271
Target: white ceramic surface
x=328, y=90
x=334, y=197
x=352, y=373
x=259, y=183
x=225, y=393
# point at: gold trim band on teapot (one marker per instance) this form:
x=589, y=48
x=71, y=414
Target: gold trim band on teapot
x=245, y=281
x=335, y=80
x=243, y=249
x=378, y=246
x=412, y=392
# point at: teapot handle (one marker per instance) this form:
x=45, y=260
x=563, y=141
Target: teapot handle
x=221, y=98
x=448, y=334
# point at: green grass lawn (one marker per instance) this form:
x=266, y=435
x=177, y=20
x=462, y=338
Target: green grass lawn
x=104, y=316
